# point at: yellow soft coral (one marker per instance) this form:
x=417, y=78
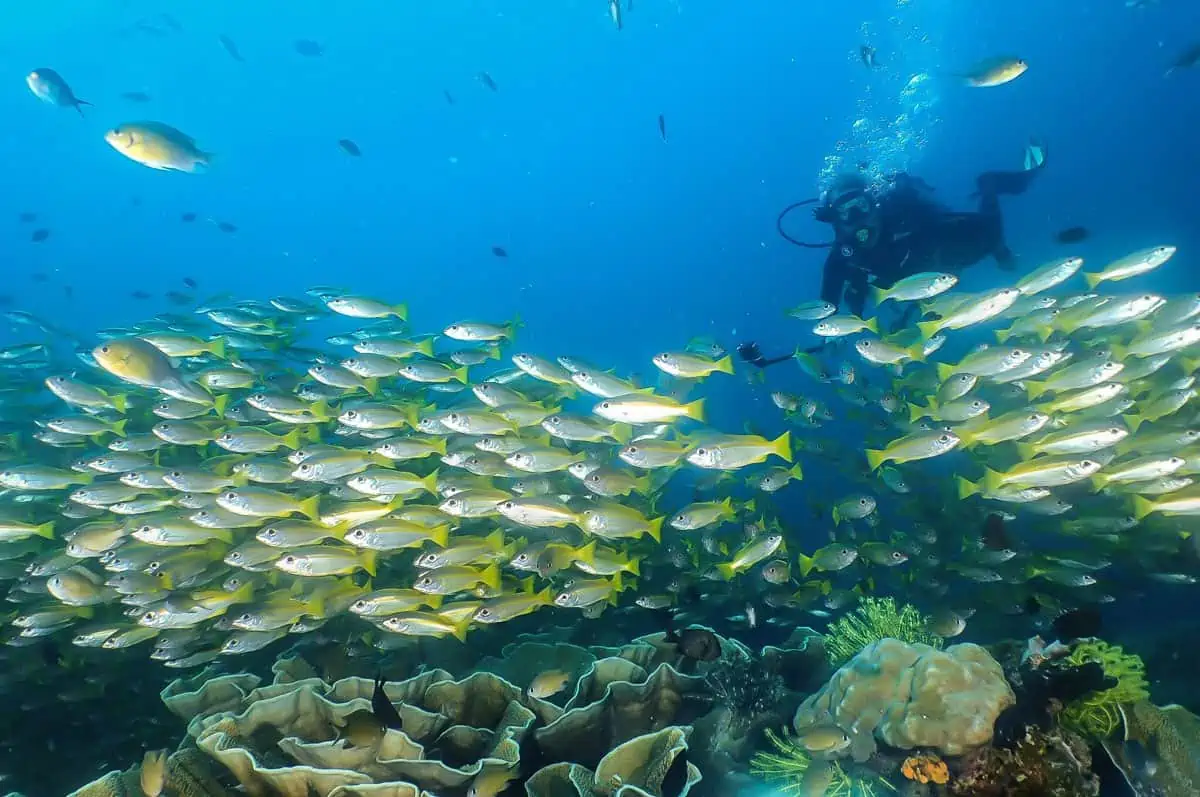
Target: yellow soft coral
x=873, y=620
x=1096, y=715
x=926, y=769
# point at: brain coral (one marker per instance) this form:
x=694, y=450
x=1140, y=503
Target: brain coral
x=911, y=696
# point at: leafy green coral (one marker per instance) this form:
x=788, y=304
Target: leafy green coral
x=786, y=769
x=1097, y=715
x=875, y=619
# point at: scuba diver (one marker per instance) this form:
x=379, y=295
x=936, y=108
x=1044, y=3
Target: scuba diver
x=882, y=235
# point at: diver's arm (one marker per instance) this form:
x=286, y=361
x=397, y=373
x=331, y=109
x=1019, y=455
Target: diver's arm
x=834, y=277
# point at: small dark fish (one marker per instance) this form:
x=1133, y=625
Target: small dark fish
x=135, y=96
x=350, y=147
x=187, y=217
x=449, y=97
x=139, y=294
x=499, y=251
x=486, y=80
x=662, y=127
x=867, y=55
x=136, y=201
x=698, y=644
x=231, y=48
x=177, y=298
x=994, y=536
x=225, y=226
x=27, y=217
x=1078, y=623
x=1072, y=235
x=1187, y=59
x=39, y=235
x=40, y=276
x=189, y=282
x=382, y=706
x=68, y=291
x=309, y=48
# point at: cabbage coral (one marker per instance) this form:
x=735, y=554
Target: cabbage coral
x=1098, y=715
x=873, y=620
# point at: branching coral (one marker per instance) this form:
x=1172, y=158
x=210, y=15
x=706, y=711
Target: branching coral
x=1097, y=715
x=792, y=771
x=745, y=686
x=875, y=619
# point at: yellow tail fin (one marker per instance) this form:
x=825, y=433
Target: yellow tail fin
x=695, y=410
x=725, y=364
x=875, y=458
x=1092, y=280
x=782, y=446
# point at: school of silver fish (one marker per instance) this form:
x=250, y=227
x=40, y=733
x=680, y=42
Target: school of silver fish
x=208, y=484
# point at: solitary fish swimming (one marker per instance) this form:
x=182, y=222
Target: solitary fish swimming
x=158, y=146
x=49, y=86
x=995, y=72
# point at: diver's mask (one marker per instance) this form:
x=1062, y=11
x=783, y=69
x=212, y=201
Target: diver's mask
x=855, y=217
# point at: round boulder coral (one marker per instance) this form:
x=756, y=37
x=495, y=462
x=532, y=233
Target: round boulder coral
x=910, y=696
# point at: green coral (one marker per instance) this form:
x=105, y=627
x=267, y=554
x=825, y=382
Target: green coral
x=786, y=769
x=1097, y=715
x=873, y=620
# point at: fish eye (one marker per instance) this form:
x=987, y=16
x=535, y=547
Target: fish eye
x=703, y=452
x=245, y=618
x=231, y=496
x=897, y=555
x=104, y=350
x=944, y=438
x=148, y=616
x=680, y=518
x=507, y=505
x=484, y=613
x=289, y=560
x=977, y=403
x=631, y=449
x=305, y=467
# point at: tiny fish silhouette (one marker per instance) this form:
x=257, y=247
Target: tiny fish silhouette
x=39, y=235
x=449, y=97
x=231, y=48
x=189, y=282
x=350, y=147
x=27, y=217
x=175, y=297
x=867, y=55
x=309, y=48
x=662, y=127
x=139, y=294
x=486, y=80
x=135, y=96
x=68, y=291
x=1072, y=235
x=499, y=251
x=40, y=276
x=225, y=226
x=188, y=217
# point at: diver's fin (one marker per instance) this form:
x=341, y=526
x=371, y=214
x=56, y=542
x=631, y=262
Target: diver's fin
x=1035, y=155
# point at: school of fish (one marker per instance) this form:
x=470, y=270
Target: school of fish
x=208, y=484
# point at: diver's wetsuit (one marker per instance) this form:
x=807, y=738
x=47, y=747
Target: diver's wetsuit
x=916, y=234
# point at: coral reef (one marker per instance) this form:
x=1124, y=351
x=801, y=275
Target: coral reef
x=1054, y=763
x=791, y=769
x=875, y=619
x=910, y=696
x=1097, y=715
x=1172, y=733
x=626, y=722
